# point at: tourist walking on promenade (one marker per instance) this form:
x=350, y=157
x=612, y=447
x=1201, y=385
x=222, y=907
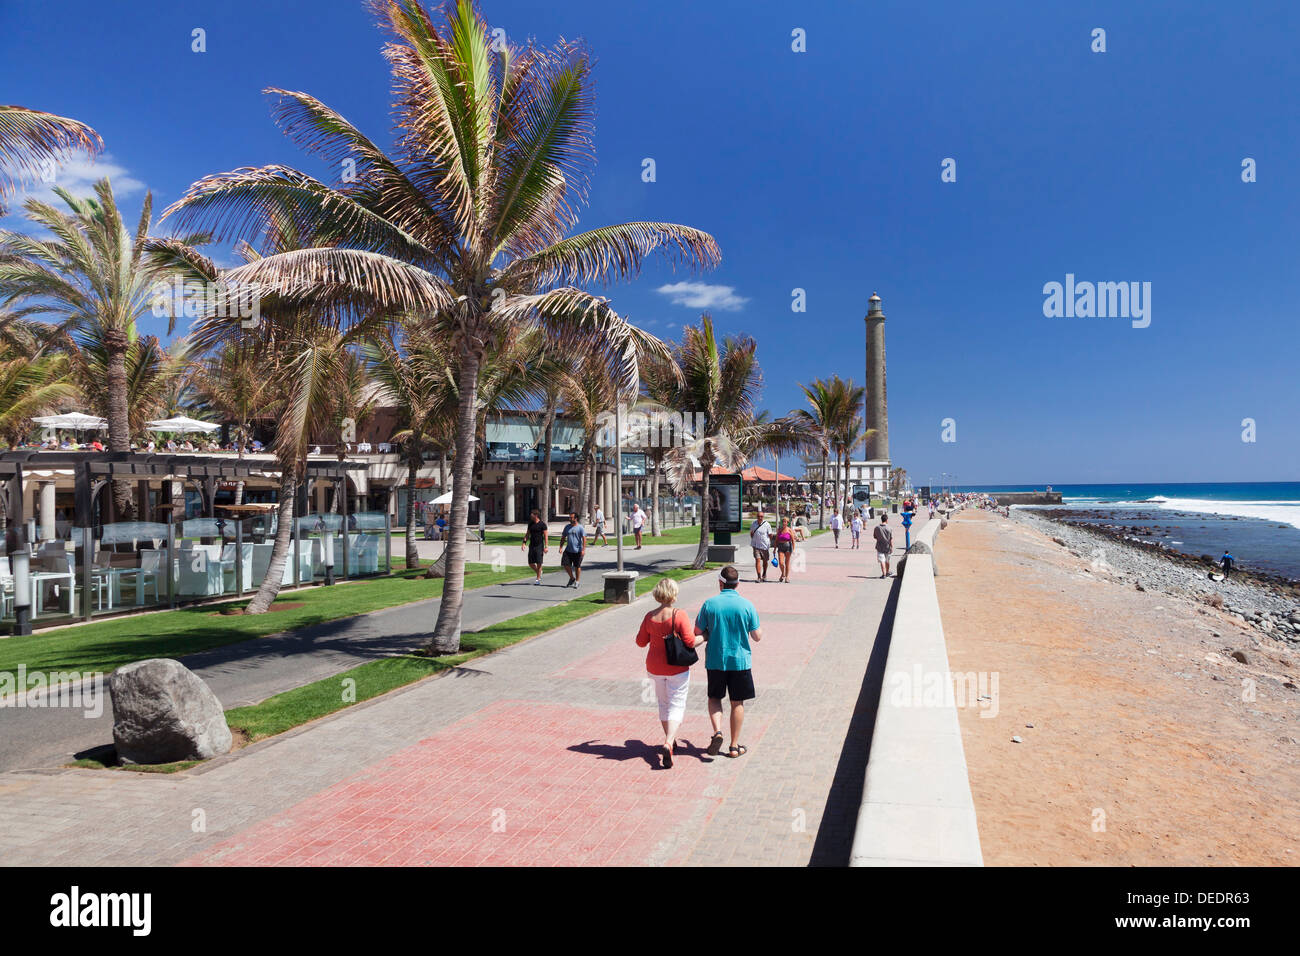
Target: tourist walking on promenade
x=837, y=524
x=784, y=549
x=1227, y=561
x=855, y=526
x=728, y=622
x=638, y=519
x=884, y=544
x=760, y=540
x=535, y=542
x=574, y=537
x=671, y=677
x=600, y=527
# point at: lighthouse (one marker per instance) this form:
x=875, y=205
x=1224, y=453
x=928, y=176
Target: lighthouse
x=877, y=403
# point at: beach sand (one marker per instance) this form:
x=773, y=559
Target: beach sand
x=1142, y=751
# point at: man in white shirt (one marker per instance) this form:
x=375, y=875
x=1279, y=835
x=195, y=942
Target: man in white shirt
x=837, y=525
x=760, y=539
x=600, y=527
x=638, y=519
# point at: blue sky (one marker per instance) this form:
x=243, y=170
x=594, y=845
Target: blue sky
x=821, y=171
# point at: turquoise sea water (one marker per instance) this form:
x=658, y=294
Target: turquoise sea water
x=1259, y=522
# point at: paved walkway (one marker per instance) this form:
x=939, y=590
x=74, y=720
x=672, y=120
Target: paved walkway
x=251, y=671
x=539, y=754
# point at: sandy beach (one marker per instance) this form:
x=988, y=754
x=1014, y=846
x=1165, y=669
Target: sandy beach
x=1150, y=744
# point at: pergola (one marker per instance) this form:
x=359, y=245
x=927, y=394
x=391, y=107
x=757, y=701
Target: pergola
x=91, y=471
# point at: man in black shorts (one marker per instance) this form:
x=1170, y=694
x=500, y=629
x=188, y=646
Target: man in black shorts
x=728, y=622
x=535, y=542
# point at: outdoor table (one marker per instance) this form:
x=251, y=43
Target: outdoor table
x=36, y=577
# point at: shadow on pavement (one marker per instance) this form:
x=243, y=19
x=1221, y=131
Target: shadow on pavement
x=834, y=842
x=631, y=750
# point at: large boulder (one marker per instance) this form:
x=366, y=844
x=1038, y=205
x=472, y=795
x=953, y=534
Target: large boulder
x=162, y=712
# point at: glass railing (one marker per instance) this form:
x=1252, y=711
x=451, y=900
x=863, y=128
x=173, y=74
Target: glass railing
x=135, y=565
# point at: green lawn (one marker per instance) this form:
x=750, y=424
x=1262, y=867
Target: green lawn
x=106, y=645
x=284, y=711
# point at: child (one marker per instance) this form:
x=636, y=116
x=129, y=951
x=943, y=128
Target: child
x=856, y=528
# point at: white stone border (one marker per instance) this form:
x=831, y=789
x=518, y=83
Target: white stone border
x=916, y=808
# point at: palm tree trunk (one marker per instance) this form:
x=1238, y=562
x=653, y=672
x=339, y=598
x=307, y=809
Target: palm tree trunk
x=270, y=586
x=446, y=634
x=119, y=416
x=706, y=465
x=584, y=482
x=822, y=521
x=545, y=503
x=412, y=472
x=654, y=501
x=442, y=473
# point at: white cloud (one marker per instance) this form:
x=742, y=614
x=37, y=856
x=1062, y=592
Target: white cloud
x=701, y=295
x=78, y=176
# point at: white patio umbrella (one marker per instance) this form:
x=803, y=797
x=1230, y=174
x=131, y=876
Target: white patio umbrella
x=182, y=425
x=73, y=420
x=446, y=499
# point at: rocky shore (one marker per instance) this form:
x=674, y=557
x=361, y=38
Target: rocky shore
x=1268, y=603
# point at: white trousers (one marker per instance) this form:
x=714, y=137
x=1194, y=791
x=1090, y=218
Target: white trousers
x=671, y=692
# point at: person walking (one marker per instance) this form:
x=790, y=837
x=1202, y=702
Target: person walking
x=855, y=526
x=728, y=622
x=536, y=543
x=638, y=519
x=760, y=539
x=784, y=549
x=884, y=544
x=1226, y=562
x=672, y=681
x=600, y=527
x=574, y=538
x=837, y=525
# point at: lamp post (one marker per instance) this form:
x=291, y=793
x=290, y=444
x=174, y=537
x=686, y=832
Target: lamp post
x=620, y=585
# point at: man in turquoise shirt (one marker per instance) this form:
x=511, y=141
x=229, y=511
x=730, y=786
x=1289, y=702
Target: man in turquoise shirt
x=728, y=622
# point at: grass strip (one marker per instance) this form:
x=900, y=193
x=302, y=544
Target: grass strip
x=105, y=646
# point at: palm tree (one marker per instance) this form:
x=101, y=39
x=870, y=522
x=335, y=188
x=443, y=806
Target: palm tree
x=154, y=373
x=588, y=393
x=466, y=221
x=410, y=376
x=33, y=381
x=31, y=140
x=305, y=358
x=724, y=383
x=846, y=438
x=92, y=276
x=235, y=383
x=832, y=401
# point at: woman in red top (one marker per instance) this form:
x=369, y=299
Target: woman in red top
x=672, y=683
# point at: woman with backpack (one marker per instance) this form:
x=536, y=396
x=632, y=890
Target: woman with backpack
x=669, y=636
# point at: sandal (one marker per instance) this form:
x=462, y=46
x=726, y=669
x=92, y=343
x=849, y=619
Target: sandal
x=715, y=745
x=737, y=750
x=667, y=757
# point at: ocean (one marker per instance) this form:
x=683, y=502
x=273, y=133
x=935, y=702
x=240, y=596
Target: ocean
x=1258, y=522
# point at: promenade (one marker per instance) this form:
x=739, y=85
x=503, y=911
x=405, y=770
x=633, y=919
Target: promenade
x=543, y=753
